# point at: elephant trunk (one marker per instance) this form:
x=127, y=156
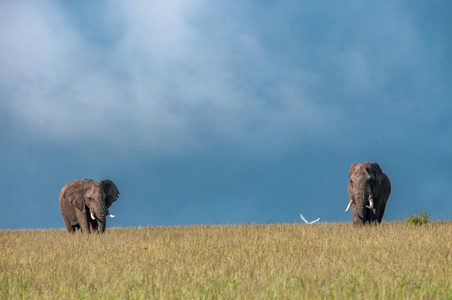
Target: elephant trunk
x=370, y=206
x=360, y=207
x=99, y=214
x=101, y=223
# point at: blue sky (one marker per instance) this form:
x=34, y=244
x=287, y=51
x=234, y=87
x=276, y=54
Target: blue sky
x=214, y=112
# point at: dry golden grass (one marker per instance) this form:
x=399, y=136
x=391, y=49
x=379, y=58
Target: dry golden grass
x=281, y=261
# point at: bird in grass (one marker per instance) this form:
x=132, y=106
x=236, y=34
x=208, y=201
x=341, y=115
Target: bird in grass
x=306, y=221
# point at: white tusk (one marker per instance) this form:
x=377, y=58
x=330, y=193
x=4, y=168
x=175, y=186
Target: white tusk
x=111, y=216
x=348, y=206
x=306, y=221
x=92, y=216
x=371, y=202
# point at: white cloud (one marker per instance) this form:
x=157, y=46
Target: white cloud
x=36, y=43
x=171, y=79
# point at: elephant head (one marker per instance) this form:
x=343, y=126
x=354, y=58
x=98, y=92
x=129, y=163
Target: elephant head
x=84, y=204
x=369, y=189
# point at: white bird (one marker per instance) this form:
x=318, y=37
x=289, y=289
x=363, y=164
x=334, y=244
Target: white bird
x=306, y=221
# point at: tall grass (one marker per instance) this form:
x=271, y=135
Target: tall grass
x=283, y=261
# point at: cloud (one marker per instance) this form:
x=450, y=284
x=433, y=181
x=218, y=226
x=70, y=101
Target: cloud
x=160, y=85
x=175, y=75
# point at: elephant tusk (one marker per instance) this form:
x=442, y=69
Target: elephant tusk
x=348, y=206
x=371, y=202
x=111, y=216
x=92, y=216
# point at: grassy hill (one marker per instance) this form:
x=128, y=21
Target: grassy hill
x=291, y=261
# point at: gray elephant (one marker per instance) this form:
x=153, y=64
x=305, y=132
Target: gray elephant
x=84, y=204
x=369, y=189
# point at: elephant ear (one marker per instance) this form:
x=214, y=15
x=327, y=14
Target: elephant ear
x=352, y=169
x=376, y=171
x=111, y=191
x=75, y=192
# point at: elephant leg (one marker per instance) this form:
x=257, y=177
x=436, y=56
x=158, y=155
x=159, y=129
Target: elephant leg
x=373, y=215
x=83, y=221
x=92, y=225
x=381, y=213
x=69, y=226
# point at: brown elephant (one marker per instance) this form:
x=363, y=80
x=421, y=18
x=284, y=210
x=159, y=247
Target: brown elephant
x=84, y=204
x=369, y=189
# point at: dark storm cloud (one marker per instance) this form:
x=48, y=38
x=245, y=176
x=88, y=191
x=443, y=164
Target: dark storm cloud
x=269, y=98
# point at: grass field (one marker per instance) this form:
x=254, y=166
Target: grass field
x=280, y=261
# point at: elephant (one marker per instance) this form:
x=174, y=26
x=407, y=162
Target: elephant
x=369, y=189
x=84, y=204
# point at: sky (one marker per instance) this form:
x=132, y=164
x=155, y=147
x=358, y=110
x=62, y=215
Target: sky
x=223, y=112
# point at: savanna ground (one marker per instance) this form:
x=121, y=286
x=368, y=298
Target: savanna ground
x=280, y=261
